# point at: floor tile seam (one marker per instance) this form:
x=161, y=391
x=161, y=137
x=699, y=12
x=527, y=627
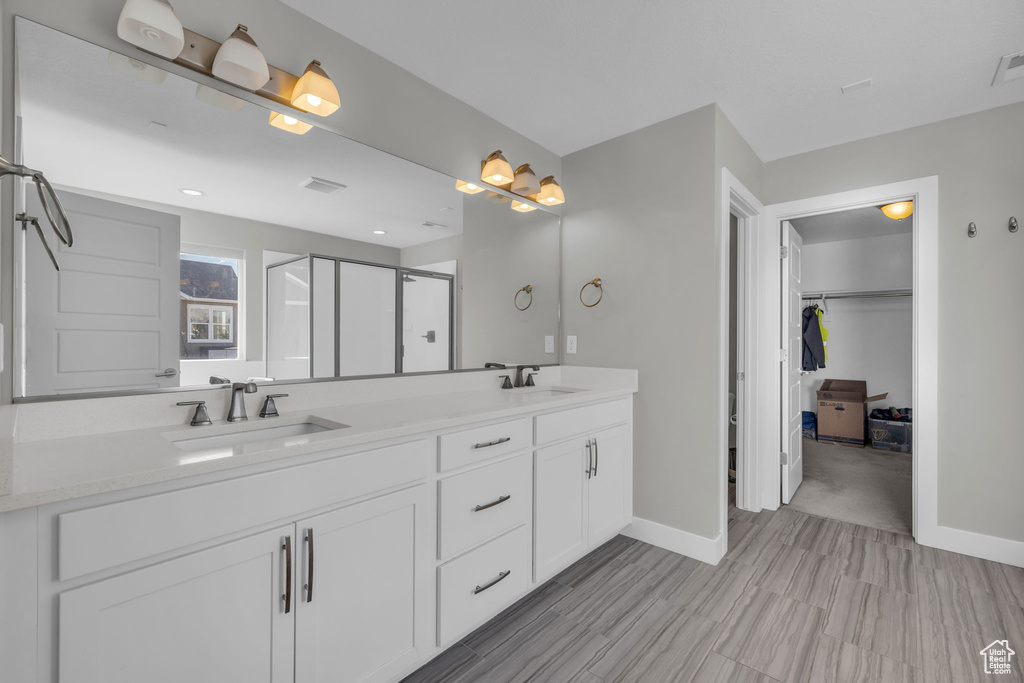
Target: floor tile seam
x=745, y=666
x=875, y=583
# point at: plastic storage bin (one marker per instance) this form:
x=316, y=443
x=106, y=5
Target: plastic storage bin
x=891, y=435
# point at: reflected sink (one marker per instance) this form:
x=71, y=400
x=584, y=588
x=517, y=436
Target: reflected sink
x=549, y=392
x=204, y=443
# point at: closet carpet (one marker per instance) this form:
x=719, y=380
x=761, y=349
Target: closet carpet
x=857, y=485
x=797, y=599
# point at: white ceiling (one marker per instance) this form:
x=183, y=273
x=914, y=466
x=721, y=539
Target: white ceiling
x=850, y=225
x=88, y=126
x=571, y=73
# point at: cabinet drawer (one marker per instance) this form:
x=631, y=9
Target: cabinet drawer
x=483, y=503
x=472, y=588
x=566, y=423
x=110, y=535
x=474, y=445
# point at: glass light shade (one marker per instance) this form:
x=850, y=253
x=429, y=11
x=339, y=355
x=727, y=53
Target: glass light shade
x=136, y=69
x=315, y=92
x=522, y=207
x=525, y=182
x=550, y=192
x=497, y=198
x=496, y=170
x=205, y=93
x=153, y=26
x=239, y=61
x=289, y=123
x=898, y=210
x=468, y=188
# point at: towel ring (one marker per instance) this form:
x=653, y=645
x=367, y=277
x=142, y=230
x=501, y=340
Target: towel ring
x=529, y=290
x=596, y=282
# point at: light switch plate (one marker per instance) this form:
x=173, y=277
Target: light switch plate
x=570, y=344
x=549, y=343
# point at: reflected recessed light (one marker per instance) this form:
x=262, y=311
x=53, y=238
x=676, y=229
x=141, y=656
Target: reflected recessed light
x=380, y=232
x=192, y=193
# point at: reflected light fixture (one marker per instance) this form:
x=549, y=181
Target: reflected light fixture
x=898, y=210
x=468, y=188
x=315, y=92
x=289, y=123
x=153, y=26
x=550, y=192
x=496, y=170
x=525, y=182
x=191, y=193
x=205, y=93
x=240, y=62
x=522, y=207
x=133, y=68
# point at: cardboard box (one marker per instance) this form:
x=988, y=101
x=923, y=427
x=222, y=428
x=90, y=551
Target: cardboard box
x=842, y=412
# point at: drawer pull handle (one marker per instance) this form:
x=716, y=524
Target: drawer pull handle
x=492, y=582
x=500, y=500
x=309, y=565
x=503, y=439
x=287, y=597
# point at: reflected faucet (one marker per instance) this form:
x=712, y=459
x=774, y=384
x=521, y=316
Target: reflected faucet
x=218, y=379
x=500, y=366
x=519, y=373
x=236, y=413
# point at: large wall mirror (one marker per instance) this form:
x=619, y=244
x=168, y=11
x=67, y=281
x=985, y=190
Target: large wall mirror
x=211, y=246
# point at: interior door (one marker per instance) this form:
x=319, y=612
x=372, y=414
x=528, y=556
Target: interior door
x=792, y=342
x=426, y=322
x=109, y=319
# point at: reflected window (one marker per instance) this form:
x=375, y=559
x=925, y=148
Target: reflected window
x=209, y=293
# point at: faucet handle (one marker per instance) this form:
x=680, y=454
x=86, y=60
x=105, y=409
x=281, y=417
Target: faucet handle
x=507, y=384
x=529, y=379
x=201, y=417
x=269, y=407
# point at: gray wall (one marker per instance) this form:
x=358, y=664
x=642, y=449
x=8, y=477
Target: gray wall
x=978, y=161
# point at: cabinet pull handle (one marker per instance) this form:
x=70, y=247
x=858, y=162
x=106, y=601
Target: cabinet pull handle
x=492, y=582
x=287, y=597
x=597, y=455
x=500, y=500
x=590, y=458
x=493, y=443
x=309, y=563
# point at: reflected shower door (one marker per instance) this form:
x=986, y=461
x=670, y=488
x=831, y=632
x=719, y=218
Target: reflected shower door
x=426, y=321
x=366, y=315
x=288, y=320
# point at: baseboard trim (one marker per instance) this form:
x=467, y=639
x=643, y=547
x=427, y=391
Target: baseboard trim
x=709, y=550
x=971, y=543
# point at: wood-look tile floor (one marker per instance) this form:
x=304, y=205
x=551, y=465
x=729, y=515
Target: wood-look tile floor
x=797, y=599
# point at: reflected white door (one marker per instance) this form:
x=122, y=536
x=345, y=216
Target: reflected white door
x=109, y=319
x=792, y=364
x=426, y=322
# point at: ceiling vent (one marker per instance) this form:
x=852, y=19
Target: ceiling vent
x=431, y=224
x=321, y=185
x=1010, y=68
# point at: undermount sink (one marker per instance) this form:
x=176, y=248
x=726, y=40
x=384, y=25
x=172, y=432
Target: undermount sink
x=549, y=392
x=204, y=443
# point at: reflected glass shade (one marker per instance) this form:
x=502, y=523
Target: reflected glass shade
x=525, y=182
x=468, y=188
x=898, y=210
x=315, y=92
x=205, y=93
x=289, y=123
x=522, y=207
x=550, y=192
x=153, y=26
x=496, y=170
x=136, y=69
x=239, y=61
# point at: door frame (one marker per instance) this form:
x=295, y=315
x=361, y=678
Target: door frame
x=924, y=192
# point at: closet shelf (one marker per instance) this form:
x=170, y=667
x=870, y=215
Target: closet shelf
x=863, y=294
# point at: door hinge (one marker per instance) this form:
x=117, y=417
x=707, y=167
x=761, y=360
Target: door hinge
x=784, y=457
x=740, y=376
x=783, y=252
x=783, y=355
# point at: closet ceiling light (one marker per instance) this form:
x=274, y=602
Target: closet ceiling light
x=525, y=182
x=468, y=188
x=522, y=207
x=289, y=123
x=496, y=170
x=239, y=61
x=153, y=26
x=550, y=192
x=898, y=210
x=315, y=92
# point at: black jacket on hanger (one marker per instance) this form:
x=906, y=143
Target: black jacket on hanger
x=814, y=348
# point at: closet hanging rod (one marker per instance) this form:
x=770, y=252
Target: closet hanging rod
x=879, y=294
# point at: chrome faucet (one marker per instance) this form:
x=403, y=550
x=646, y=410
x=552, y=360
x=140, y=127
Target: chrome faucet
x=519, y=373
x=236, y=413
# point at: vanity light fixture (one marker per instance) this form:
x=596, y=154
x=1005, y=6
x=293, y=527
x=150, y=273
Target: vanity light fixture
x=153, y=26
x=468, y=188
x=496, y=170
x=289, y=123
x=522, y=207
x=525, y=182
x=239, y=61
x=133, y=68
x=191, y=193
x=898, y=210
x=205, y=93
x=550, y=192
x=380, y=232
x=315, y=92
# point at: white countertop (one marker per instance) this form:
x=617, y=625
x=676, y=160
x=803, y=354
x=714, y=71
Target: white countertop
x=43, y=471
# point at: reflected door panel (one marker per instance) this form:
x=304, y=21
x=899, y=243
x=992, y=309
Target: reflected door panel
x=426, y=322
x=288, y=320
x=366, y=311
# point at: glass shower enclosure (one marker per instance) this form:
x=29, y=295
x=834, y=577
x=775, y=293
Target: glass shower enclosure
x=334, y=317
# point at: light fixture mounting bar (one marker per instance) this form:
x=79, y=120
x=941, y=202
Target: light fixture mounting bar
x=198, y=55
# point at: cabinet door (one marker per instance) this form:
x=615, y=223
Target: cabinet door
x=607, y=504
x=370, y=612
x=212, y=616
x=560, y=479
